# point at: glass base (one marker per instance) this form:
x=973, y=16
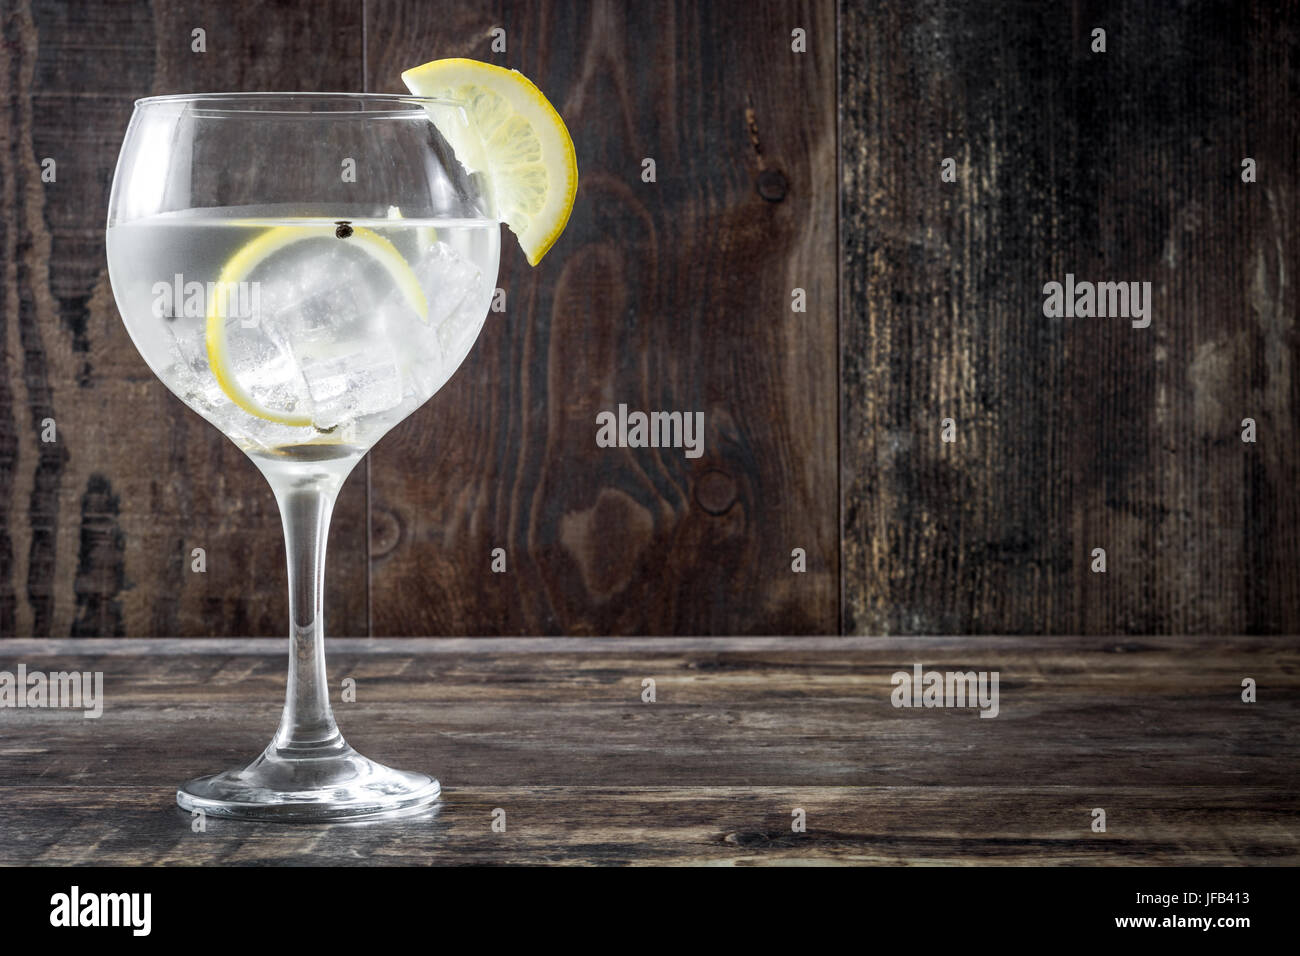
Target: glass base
x=313, y=784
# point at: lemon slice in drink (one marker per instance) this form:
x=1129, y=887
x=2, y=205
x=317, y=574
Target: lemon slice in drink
x=245, y=263
x=514, y=136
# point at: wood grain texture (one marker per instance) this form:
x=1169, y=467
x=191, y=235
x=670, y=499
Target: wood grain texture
x=681, y=826
x=672, y=295
x=96, y=529
x=1156, y=734
x=1073, y=434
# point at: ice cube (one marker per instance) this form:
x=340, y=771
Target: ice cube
x=459, y=330
x=324, y=314
x=191, y=379
x=317, y=298
x=431, y=351
x=265, y=368
x=349, y=379
x=447, y=278
x=419, y=351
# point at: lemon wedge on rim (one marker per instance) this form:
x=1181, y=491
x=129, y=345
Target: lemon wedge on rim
x=514, y=136
x=251, y=255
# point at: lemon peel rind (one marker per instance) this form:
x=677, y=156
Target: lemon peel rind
x=441, y=77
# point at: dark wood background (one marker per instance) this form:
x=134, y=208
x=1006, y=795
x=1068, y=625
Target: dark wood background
x=776, y=170
x=1074, y=434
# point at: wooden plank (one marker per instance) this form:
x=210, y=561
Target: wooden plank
x=673, y=295
x=97, y=528
x=1073, y=434
x=710, y=773
x=1080, y=716
x=739, y=826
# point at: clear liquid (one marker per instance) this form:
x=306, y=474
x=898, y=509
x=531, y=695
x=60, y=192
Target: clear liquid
x=321, y=333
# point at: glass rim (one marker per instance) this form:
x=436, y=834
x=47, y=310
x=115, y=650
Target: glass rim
x=394, y=105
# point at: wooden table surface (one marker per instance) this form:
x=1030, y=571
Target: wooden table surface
x=742, y=733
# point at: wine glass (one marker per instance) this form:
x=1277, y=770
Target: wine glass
x=304, y=271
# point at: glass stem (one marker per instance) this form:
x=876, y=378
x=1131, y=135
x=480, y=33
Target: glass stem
x=307, y=728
